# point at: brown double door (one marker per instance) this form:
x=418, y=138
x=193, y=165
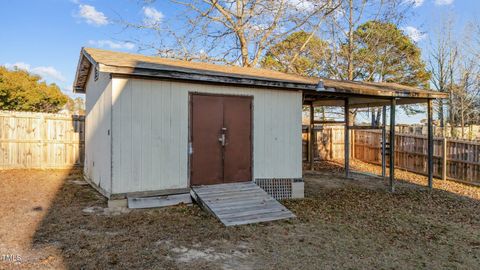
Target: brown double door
x=221, y=139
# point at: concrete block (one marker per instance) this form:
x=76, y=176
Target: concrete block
x=298, y=190
x=120, y=203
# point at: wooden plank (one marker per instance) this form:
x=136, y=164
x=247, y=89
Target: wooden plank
x=243, y=207
x=323, y=122
x=239, y=203
x=233, y=205
x=310, y=136
x=257, y=218
x=225, y=187
x=233, y=194
x=220, y=192
x=238, y=193
x=224, y=192
x=159, y=201
x=365, y=127
x=247, y=195
x=234, y=198
x=444, y=159
x=252, y=212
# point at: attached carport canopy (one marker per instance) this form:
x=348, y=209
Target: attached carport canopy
x=366, y=94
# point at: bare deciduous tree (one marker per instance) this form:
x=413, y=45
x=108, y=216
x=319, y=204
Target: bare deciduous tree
x=235, y=32
x=455, y=70
x=340, y=32
x=442, y=62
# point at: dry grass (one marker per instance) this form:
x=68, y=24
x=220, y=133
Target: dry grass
x=53, y=221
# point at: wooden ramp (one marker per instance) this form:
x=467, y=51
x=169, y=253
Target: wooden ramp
x=239, y=203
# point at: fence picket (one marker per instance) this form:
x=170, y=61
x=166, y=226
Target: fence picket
x=41, y=140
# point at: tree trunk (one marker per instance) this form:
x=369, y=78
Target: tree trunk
x=462, y=121
x=350, y=41
x=441, y=116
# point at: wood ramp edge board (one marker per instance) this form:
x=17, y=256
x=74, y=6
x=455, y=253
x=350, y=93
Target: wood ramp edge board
x=158, y=201
x=239, y=203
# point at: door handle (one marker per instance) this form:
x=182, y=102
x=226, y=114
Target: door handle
x=222, y=139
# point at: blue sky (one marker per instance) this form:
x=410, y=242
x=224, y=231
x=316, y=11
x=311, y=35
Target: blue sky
x=45, y=36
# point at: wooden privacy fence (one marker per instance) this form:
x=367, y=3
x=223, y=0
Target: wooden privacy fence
x=41, y=140
x=328, y=142
x=462, y=157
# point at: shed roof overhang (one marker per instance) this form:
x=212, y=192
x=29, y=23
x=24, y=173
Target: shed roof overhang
x=357, y=100
x=360, y=94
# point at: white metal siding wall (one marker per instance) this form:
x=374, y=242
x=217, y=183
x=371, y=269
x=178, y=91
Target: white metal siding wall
x=150, y=133
x=97, y=165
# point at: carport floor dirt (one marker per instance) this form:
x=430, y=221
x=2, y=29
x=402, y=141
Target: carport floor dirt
x=51, y=219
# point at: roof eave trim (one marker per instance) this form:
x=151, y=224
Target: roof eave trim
x=79, y=88
x=192, y=76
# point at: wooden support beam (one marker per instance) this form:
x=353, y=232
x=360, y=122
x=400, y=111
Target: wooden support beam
x=444, y=149
x=430, y=143
x=347, y=139
x=364, y=127
x=352, y=143
x=310, y=137
x=384, y=143
x=392, y=145
x=328, y=122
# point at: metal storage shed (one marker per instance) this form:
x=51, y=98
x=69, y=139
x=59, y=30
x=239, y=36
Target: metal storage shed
x=157, y=126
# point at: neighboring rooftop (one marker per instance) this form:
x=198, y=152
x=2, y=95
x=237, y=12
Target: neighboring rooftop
x=151, y=66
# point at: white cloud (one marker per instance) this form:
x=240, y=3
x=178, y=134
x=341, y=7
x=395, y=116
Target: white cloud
x=152, y=17
x=91, y=15
x=18, y=65
x=43, y=71
x=416, y=3
x=112, y=44
x=443, y=2
x=49, y=72
x=415, y=34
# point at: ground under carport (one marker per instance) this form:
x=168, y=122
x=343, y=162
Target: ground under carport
x=50, y=219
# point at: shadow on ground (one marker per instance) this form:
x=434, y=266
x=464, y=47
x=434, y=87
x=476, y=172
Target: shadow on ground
x=52, y=219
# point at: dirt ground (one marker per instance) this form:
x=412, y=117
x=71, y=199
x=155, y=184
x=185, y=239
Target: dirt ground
x=52, y=219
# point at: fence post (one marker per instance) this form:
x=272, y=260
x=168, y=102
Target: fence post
x=384, y=142
x=352, y=144
x=311, y=126
x=444, y=160
x=430, y=143
x=346, y=144
x=43, y=137
x=393, y=104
